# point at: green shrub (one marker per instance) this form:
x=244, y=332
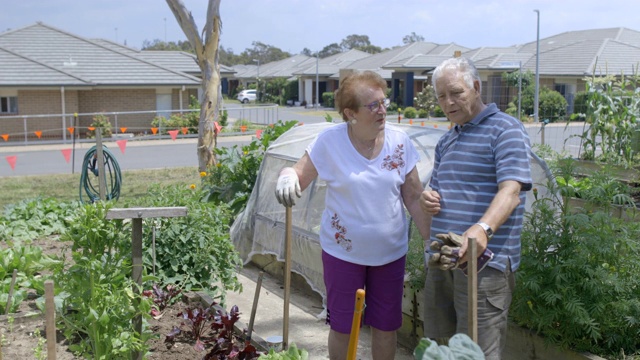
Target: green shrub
x=553, y=106
x=410, y=112
x=579, y=277
x=231, y=180
x=328, y=99
x=194, y=251
x=423, y=114
x=437, y=111
x=102, y=122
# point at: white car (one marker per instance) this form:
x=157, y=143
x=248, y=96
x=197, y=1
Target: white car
x=245, y=96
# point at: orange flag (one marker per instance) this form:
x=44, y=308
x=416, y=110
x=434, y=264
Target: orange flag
x=174, y=134
x=123, y=129
x=154, y=131
x=122, y=144
x=38, y=134
x=12, y=161
x=218, y=127
x=91, y=128
x=71, y=129
x=67, y=154
x=185, y=130
x=5, y=137
x=259, y=133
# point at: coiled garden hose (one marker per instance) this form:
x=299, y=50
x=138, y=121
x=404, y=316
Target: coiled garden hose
x=91, y=183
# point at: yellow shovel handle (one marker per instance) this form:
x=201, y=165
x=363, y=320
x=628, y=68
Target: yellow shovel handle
x=355, y=325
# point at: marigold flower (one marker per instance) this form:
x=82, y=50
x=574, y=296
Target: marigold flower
x=203, y=174
x=192, y=186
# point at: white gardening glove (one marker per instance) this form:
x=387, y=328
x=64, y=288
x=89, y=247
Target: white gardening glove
x=287, y=185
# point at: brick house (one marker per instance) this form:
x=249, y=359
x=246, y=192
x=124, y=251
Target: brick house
x=45, y=70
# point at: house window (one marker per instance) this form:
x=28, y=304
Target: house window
x=8, y=105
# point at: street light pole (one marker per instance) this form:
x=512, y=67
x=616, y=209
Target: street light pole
x=536, y=98
x=257, y=79
x=317, y=84
x=520, y=91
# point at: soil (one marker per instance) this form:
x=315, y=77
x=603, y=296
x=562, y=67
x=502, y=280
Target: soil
x=20, y=339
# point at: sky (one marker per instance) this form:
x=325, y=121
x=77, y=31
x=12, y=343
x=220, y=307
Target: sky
x=293, y=25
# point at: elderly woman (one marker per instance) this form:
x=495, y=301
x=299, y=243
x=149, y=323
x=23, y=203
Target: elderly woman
x=370, y=170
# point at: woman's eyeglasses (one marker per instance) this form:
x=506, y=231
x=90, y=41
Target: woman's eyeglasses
x=374, y=106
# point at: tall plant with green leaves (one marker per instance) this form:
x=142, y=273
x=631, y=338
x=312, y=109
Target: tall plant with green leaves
x=613, y=107
x=579, y=276
x=232, y=179
x=95, y=293
x=193, y=252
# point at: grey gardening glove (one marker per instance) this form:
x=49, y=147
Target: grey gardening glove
x=447, y=257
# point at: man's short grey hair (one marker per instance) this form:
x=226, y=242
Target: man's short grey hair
x=461, y=64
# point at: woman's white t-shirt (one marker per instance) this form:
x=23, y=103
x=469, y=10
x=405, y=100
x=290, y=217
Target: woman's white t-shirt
x=364, y=220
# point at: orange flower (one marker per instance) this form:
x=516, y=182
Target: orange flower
x=203, y=174
x=192, y=186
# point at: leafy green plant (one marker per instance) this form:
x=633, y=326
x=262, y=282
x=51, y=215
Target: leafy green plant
x=579, y=276
x=193, y=252
x=292, y=353
x=231, y=180
x=95, y=293
x=28, y=262
x=612, y=107
x=101, y=121
x=410, y=112
x=34, y=218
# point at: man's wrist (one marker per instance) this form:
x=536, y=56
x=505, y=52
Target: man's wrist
x=487, y=229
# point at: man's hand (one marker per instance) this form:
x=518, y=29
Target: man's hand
x=447, y=256
x=288, y=184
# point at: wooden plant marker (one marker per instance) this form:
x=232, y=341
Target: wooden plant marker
x=13, y=283
x=136, y=215
x=50, y=319
x=472, y=289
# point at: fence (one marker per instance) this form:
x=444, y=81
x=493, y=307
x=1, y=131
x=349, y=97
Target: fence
x=31, y=129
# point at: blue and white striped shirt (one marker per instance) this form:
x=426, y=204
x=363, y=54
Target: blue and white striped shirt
x=470, y=162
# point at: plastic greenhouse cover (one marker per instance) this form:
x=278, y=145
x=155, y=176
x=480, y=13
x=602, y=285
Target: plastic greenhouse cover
x=260, y=228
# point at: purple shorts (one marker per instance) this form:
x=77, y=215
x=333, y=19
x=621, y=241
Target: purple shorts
x=383, y=287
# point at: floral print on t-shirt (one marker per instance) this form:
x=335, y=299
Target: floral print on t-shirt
x=340, y=233
x=395, y=161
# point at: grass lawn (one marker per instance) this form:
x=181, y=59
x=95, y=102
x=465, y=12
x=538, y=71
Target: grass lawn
x=66, y=187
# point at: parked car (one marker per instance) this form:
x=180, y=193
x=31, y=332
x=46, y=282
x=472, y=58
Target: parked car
x=245, y=96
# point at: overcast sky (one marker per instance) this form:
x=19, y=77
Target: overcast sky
x=292, y=25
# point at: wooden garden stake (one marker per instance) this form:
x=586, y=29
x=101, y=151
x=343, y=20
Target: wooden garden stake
x=254, y=307
x=287, y=278
x=50, y=319
x=13, y=282
x=102, y=180
x=136, y=215
x=472, y=288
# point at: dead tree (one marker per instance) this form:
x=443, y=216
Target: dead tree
x=206, y=48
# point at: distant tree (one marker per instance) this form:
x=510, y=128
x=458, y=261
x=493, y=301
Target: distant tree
x=263, y=52
x=329, y=50
x=355, y=42
x=307, y=52
x=371, y=49
x=158, y=44
x=206, y=50
x=413, y=37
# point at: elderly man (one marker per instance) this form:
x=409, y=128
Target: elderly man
x=477, y=189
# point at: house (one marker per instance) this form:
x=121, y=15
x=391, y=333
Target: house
x=45, y=70
x=564, y=62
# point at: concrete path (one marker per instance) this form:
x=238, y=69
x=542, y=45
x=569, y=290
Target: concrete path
x=306, y=330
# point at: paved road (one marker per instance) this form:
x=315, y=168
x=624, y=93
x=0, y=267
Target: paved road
x=50, y=159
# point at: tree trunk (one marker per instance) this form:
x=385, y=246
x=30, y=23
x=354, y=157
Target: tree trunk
x=207, y=55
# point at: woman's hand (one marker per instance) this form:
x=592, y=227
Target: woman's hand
x=430, y=202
